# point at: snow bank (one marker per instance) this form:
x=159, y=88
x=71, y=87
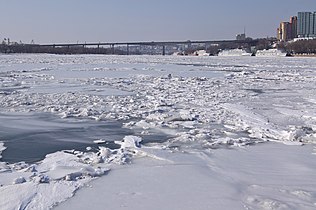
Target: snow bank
x=30, y=195
x=265, y=176
x=130, y=142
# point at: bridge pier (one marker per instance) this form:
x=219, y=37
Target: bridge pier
x=127, y=49
x=112, y=49
x=163, y=50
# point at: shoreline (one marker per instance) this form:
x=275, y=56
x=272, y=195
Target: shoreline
x=304, y=56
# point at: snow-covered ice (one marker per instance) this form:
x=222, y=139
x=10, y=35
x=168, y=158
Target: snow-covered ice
x=2, y=147
x=258, y=177
x=202, y=131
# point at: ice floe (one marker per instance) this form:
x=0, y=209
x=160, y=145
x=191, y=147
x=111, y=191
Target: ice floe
x=44, y=184
x=2, y=147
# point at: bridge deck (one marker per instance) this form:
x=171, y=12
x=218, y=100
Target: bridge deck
x=160, y=43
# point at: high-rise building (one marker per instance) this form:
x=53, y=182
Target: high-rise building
x=283, y=31
x=306, y=24
x=293, y=22
x=287, y=30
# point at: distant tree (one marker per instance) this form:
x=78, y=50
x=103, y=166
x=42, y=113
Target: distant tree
x=302, y=46
x=213, y=50
x=263, y=44
x=282, y=46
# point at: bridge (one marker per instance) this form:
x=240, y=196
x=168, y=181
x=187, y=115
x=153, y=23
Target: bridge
x=162, y=44
x=111, y=46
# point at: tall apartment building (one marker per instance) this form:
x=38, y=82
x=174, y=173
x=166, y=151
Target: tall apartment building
x=306, y=24
x=293, y=22
x=287, y=30
x=283, y=31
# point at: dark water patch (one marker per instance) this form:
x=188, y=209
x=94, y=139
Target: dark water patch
x=155, y=137
x=218, y=67
x=276, y=90
x=211, y=65
x=29, y=137
x=11, y=90
x=258, y=91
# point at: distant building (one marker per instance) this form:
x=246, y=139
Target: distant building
x=306, y=24
x=287, y=30
x=241, y=37
x=293, y=22
x=283, y=31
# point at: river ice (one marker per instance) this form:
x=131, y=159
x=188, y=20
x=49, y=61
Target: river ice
x=1, y=148
x=189, y=115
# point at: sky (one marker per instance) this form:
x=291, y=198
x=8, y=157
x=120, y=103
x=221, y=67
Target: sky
x=72, y=21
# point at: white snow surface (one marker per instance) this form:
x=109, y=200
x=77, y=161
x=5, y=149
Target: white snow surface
x=258, y=177
x=2, y=147
x=217, y=110
x=56, y=178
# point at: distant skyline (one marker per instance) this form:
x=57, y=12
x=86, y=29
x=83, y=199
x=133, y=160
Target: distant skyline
x=65, y=21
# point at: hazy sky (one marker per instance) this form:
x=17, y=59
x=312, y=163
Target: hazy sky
x=61, y=21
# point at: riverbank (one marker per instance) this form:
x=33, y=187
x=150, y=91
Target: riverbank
x=304, y=55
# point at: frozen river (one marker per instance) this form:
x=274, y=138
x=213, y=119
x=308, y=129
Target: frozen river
x=66, y=120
